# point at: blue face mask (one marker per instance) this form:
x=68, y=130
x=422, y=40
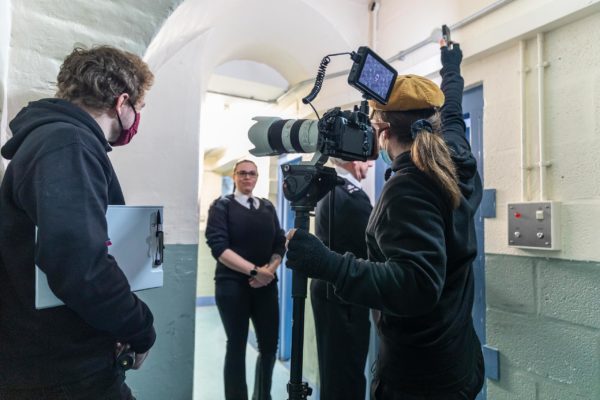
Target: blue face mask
x=385, y=157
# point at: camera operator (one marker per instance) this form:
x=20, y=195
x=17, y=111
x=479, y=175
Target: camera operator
x=421, y=244
x=342, y=329
x=58, y=186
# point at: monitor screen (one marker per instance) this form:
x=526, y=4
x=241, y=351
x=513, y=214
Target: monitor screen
x=376, y=76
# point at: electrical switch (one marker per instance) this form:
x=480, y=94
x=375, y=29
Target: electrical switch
x=534, y=225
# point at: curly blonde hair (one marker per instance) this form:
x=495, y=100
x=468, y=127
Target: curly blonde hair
x=96, y=77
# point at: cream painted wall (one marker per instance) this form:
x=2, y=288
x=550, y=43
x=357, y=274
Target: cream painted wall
x=491, y=53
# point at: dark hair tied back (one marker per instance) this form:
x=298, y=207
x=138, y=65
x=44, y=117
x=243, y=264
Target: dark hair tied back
x=419, y=126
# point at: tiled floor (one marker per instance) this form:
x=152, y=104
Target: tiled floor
x=210, y=354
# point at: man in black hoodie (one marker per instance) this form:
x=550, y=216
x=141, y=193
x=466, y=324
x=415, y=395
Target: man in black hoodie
x=53, y=201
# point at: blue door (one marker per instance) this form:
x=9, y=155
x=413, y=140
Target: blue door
x=286, y=219
x=473, y=114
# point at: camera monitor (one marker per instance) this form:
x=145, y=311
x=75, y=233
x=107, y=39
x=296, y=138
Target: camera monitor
x=371, y=75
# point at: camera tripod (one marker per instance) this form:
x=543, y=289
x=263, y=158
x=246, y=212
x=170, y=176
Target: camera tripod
x=303, y=185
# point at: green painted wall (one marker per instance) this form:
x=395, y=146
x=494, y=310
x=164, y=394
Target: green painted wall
x=543, y=315
x=167, y=373
x=206, y=269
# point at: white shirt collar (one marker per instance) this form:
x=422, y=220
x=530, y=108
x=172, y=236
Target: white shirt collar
x=342, y=173
x=243, y=199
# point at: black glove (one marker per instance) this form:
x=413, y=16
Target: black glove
x=451, y=57
x=307, y=254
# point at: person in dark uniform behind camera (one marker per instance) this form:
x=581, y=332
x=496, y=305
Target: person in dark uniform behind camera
x=342, y=329
x=421, y=243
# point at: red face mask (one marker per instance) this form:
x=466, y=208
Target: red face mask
x=127, y=134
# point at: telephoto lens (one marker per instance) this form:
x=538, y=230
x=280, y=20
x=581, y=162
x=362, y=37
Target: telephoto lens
x=273, y=136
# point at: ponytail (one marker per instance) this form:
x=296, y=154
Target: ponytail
x=431, y=155
x=420, y=130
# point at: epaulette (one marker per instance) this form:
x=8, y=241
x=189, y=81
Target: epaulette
x=350, y=188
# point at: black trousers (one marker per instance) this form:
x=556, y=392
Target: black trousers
x=238, y=303
x=380, y=390
x=342, y=332
x=105, y=385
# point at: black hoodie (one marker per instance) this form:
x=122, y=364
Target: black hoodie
x=61, y=181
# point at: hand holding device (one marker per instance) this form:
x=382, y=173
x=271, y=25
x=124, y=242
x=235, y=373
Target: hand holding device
x=446, y=35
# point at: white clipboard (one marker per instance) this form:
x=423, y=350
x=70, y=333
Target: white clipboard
x=135, y=234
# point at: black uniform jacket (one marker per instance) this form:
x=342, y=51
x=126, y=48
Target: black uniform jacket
x=420, y=273
x=61, y=181
x=352, y=208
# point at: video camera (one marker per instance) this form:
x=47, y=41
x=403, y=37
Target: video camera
x=343, y=134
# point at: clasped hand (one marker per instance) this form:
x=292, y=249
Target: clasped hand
x=262, y=278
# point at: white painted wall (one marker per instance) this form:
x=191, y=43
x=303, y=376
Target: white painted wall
x=161, y=165
x=225, y=124
x=197, y=38
x=5, y=25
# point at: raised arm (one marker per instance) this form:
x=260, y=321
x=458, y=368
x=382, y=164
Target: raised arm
x=453, y=125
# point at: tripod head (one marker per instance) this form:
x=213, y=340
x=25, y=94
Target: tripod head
x=305, y=184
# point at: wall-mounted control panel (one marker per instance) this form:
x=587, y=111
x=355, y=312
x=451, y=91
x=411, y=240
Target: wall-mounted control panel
x=534, y=225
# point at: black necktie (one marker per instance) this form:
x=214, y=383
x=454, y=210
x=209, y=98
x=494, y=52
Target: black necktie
x=251, y=203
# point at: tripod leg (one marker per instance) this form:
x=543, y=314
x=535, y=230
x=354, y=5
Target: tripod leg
x=297, y=389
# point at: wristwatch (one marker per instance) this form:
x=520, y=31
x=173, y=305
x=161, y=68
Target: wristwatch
x=254, y=271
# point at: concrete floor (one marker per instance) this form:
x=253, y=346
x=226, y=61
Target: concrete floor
x=210, y=355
